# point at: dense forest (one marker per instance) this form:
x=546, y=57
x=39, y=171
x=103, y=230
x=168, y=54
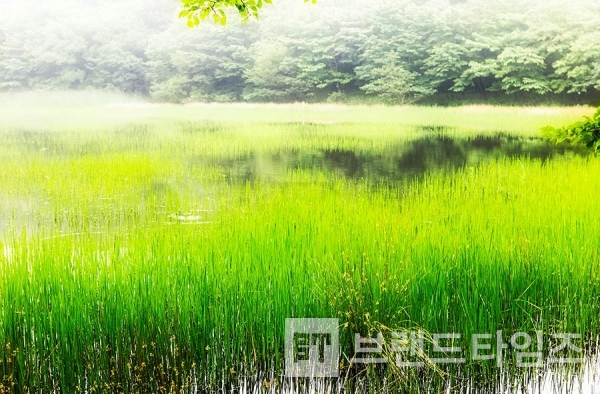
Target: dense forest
x=395, y=51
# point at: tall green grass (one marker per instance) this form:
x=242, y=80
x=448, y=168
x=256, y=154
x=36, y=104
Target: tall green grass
x=131, y=264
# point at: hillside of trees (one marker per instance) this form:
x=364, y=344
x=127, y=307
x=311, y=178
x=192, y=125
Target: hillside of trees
x=394, y=51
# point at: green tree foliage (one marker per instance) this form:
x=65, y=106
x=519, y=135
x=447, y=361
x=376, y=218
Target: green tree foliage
x=272, y=77
x=198, y=10
x=194, y=65
x=313, y=59
x=392, y=50
x=580, y=64
x=445, y=64
x=521, y=70
x=585, y=132
x=478, y=75
x=70, y=46
x=391, y=80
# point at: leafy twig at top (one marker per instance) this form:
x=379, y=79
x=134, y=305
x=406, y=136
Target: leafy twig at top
x=198, y=10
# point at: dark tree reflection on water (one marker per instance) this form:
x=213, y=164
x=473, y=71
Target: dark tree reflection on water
x=400, y=162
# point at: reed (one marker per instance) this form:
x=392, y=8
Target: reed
x=131, y=263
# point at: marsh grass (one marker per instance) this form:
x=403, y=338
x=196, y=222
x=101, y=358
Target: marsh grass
x=107, y=285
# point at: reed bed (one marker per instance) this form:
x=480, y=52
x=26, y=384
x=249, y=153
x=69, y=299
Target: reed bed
x=130, y=263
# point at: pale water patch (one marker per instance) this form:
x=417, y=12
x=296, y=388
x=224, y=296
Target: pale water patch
x=8, y=253
x=546, y=382
x=16, y=213
x=197, y=216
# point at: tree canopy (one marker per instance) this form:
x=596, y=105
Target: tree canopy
x=394, y=51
